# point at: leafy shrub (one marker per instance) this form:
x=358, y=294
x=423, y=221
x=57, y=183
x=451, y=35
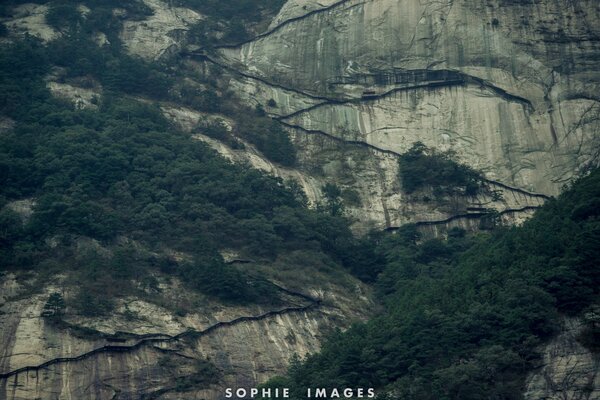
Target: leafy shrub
x=205, y=100
x=332, y=197
x=215, y=278
x=54, y=307
x=124, y=170
x=92, y=304
x=422, y=167
x=351, y=197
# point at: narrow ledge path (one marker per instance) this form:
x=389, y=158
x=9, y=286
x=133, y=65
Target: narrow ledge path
x=328, y=101
x=155, y=339
x=457, y=217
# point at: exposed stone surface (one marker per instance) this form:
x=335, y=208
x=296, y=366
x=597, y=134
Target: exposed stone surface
x=188, y=120
x=6, y=124
x=24, y=208
x=294, y=9
x=80, y=97
x=568, y=370
x=509, y=85
x=31, y=19
x=246, y=353
x=160, y=34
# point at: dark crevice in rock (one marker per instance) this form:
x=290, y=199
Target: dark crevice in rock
x=500, y=92
x=447, y=78
x=372, y=98
x=455, y=78
x=305, y=110
x=240, y=261
x=165, y=338
x=516, y=189
x=477, y=215
x=175, y=352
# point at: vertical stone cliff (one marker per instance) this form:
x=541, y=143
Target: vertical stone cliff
x=511, y=86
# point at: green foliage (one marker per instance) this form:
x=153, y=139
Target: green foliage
x=205, y=100
x=268, y=136
x=22, y=93
x=216, y=130
x=203, y=33
x=351, y=197
x=114, y=69
x=123, y=171
x=217, y=279
x=590, y=335
x=93, y=304
x=11, y=228
x=136, y=9
x=219, y=131
x=333, y=204
x=463, y=316
x=54, y=307
x=63, y=15
x=205, y=374
x=422, y=167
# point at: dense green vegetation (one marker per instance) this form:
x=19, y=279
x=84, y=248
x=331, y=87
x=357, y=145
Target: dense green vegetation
x=268, y=136
x=205, y=373
x=463, y=315
x=421, y=167
x=252, y=125
x=123, y=171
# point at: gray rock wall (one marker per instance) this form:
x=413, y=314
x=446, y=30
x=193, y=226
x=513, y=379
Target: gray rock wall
x=514, y=93
x=151, y=357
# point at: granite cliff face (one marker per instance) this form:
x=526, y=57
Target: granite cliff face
x=567, y=370
x=144, y=350
x=511, y=86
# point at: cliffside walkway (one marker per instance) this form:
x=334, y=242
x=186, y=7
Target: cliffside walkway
x=153, y=339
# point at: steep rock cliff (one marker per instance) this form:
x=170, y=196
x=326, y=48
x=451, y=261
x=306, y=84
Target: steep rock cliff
x=510, y=86
x=567, y=370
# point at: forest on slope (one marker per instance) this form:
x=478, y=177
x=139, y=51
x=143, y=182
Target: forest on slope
x=121, y=174
x=464, y=317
